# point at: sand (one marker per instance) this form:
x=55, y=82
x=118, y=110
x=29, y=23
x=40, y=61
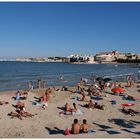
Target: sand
x=108, y=123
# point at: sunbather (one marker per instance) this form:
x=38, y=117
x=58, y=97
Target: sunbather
x=83, y=97
x=20, y=104
x=84, y=127
x=96, y=105
x=67, y=108
x=13, y=114
x=75, y=108
x=128, y=97
x=75, y=127
x=130, y=111
x=24, y=113
x=90, y=104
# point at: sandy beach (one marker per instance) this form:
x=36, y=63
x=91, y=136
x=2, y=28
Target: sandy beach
x=108, y=123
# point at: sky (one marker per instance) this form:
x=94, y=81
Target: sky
x=43, y=29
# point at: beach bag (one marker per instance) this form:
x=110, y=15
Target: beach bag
x=66, y=131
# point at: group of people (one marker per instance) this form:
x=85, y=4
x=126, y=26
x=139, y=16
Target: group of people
x=77, y=128
x=20, y=111
x=91, y=105
x=69, y=109
x=40, y=84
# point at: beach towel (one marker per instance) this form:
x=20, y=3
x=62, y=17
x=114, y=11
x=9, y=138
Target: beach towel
x=76, y=98
x=62, y=113
x=36, y=104
x=129, y=104
x=78, y=112
x=90, y=131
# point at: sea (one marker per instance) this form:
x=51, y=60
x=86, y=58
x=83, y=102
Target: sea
x=16, y=75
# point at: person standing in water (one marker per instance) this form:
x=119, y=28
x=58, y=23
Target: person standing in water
x=61, y=77
x=30, y=85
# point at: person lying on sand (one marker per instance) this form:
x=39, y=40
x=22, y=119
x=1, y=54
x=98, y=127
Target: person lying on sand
x=74, y=108
x=75, y=127
x=64, y=88
x=91, y=90
x=128, y=97
x=97, y=94
x=84, y=127
x=92, y=105
x=22, y=111
x=129, y=111
x=3, y=102
x=96, y=105
x=46, y=96
x=89, y=105
x=14, y=114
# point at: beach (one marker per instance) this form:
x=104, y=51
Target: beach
x=48, y=123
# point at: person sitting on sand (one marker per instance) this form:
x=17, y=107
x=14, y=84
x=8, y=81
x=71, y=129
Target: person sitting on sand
x=75, y=108
x=90, y=104
x=78, y=86
x=20, y=104
x=84, y=127
x=67, y=108
x=75, y=127
x=48, y=93
x=83, y=97
x=17, y=95
x=91, y=90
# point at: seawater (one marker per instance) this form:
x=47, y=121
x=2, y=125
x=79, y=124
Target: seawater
x=16, y=75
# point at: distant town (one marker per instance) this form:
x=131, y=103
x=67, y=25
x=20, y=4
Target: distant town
x=102, y=57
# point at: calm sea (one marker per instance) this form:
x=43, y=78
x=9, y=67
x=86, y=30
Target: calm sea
x=16, y=75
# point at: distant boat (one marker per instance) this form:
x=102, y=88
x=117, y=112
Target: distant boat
x=116, y=65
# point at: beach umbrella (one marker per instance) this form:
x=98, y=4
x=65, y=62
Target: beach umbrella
x=118, y=90
x=99, y=79
x=129, y=104
x=107, y=79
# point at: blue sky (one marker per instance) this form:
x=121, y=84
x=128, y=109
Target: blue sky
x=60, y=29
